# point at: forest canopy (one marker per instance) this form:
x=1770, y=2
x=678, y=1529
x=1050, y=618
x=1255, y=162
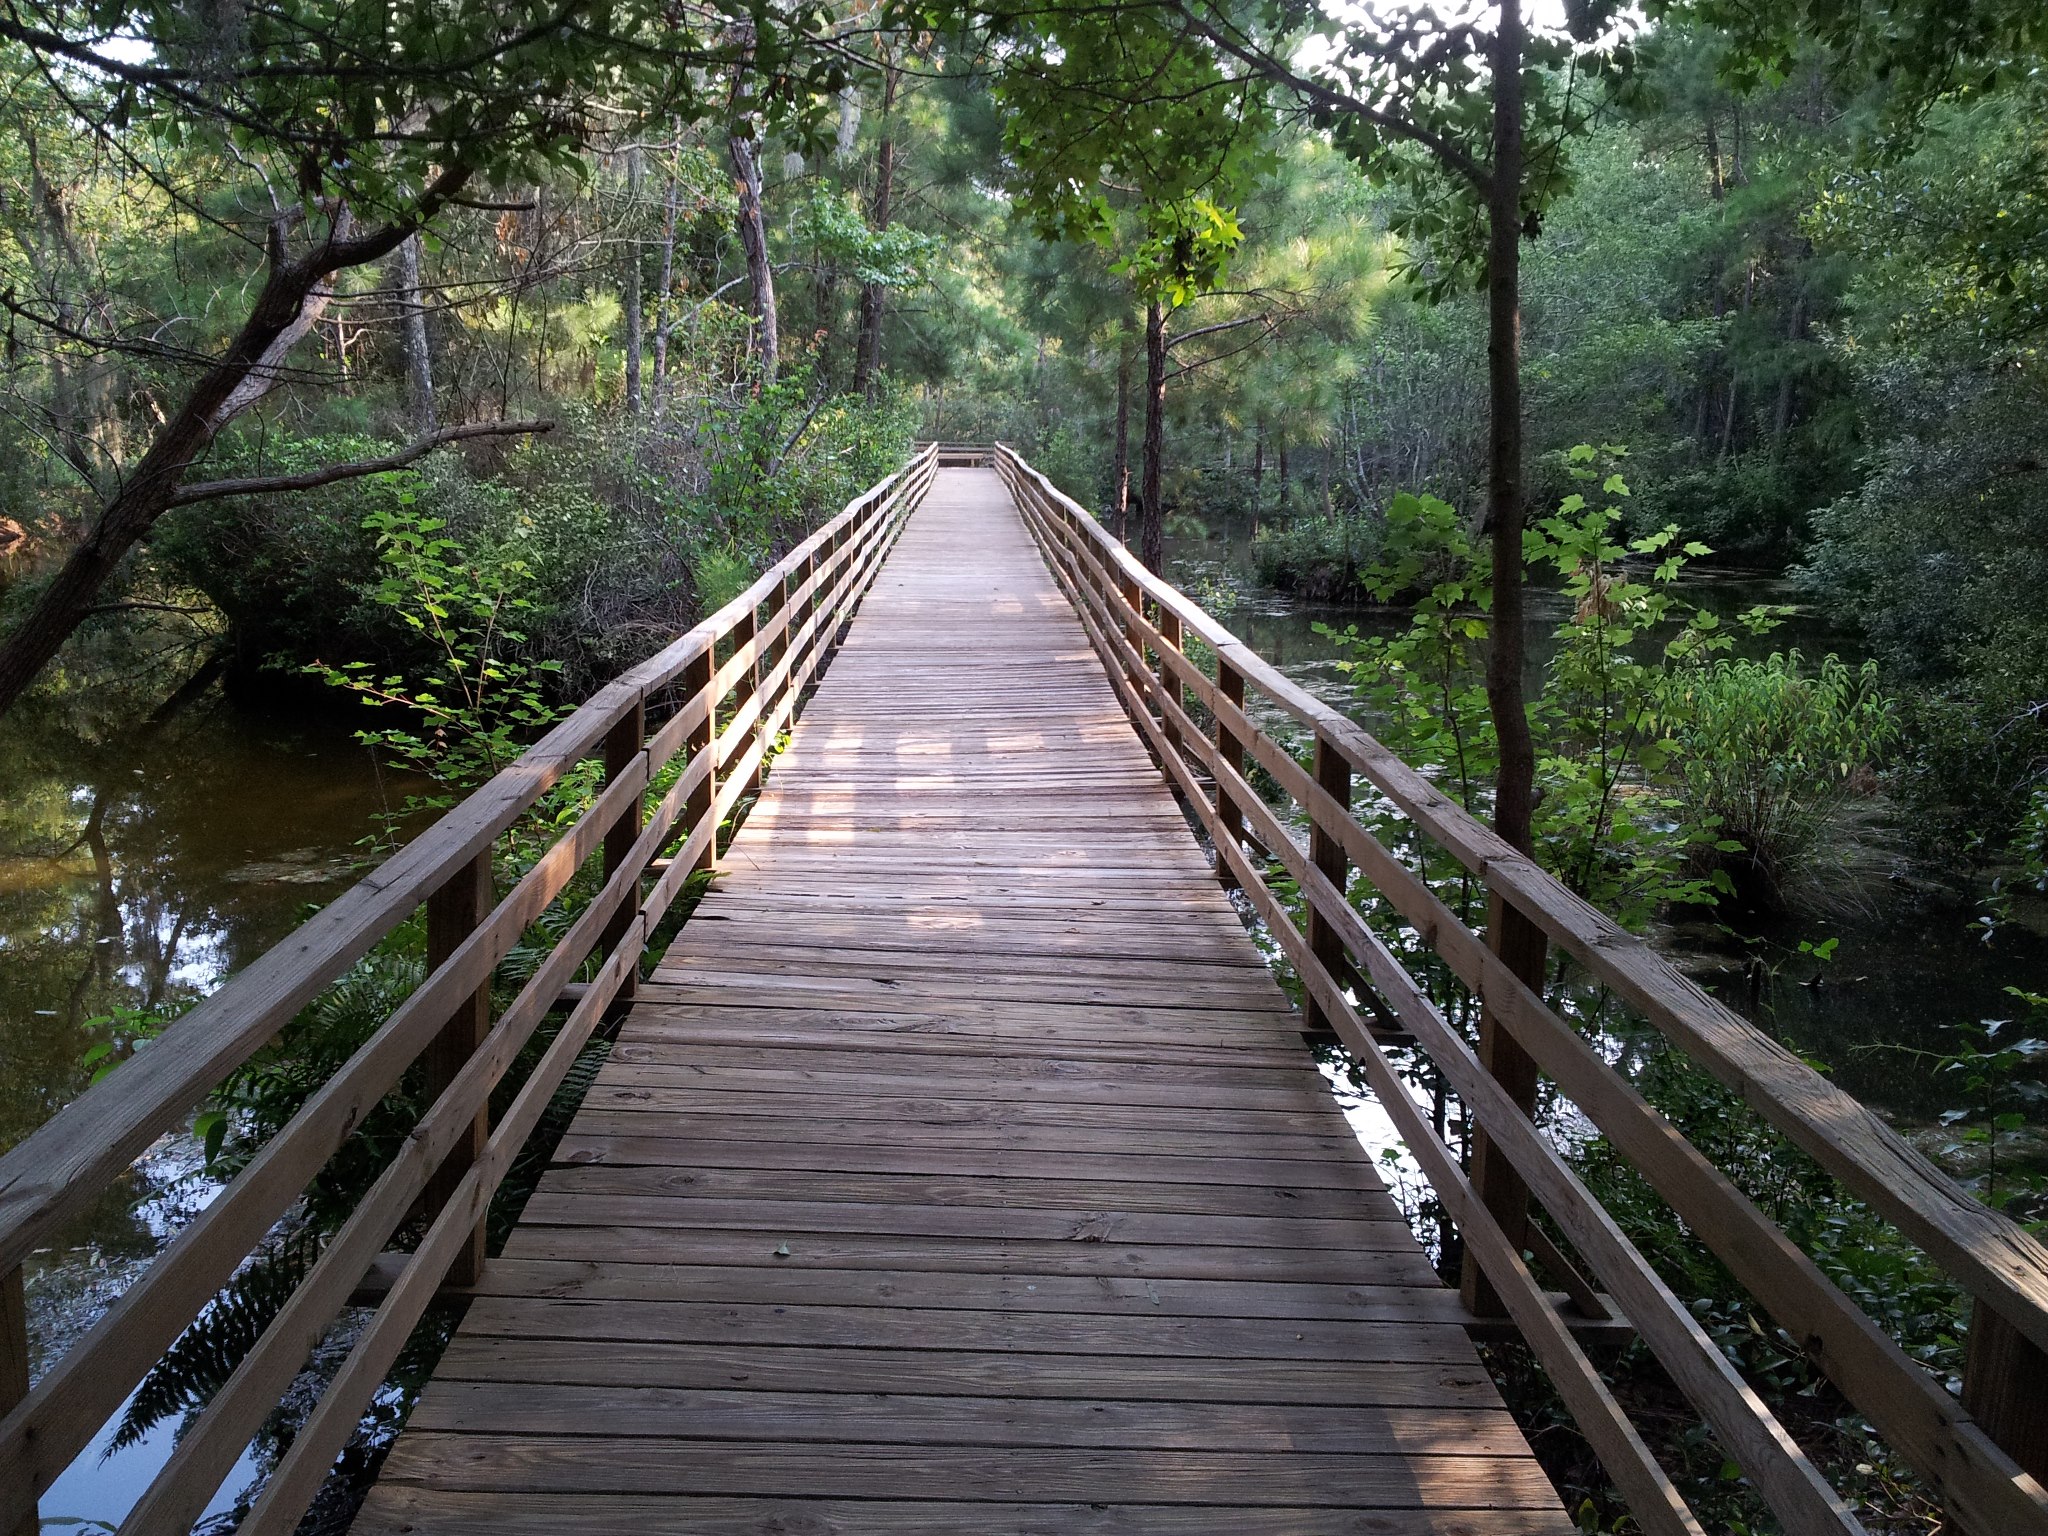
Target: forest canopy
x=627, y=295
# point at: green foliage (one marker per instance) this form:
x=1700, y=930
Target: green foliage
x=1997, y=1076
x=1614, y=820
x=1321, y=558
x=260, y=1097
x=721, y=574
x=1153, y=183
x=899, y=257
x=1772, y=757
x=477, y=703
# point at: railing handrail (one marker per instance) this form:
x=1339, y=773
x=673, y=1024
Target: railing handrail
x=65, y=1164
x=60, y=1167
x=1988, y=1254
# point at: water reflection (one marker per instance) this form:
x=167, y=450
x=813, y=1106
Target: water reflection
x=142, y=861
x=140, y=866
x=1910, y=964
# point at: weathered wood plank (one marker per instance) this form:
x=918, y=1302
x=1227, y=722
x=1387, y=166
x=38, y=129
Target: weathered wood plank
x=398, y=1510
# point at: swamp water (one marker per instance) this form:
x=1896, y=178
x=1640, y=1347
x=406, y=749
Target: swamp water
x=140, y=865
x=1910, y=965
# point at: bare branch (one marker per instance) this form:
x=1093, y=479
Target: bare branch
x=1220, y=325
x=213, y=490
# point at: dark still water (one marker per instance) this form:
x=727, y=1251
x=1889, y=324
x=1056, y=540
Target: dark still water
x=1911, y=963
x=140, y=865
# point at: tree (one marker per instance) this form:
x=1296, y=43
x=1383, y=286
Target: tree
x=359, y=128
x=1444, y=107
x=1123, y=133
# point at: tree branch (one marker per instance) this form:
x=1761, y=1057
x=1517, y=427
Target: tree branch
x=1332, y=99
x=213, y=490
x=1210, y=330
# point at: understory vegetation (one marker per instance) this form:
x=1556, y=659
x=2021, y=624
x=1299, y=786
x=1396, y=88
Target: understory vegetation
x=426, y=372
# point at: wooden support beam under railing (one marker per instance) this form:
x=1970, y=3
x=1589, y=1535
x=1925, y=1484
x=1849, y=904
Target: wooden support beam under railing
x=625, y=750
x=14, y=1371
x=454, y=913
x=1230, y=753
x=1326, y=852
x=1519, y=944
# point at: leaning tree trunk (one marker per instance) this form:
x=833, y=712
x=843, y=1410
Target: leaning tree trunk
x=294, y=296
x=874, y=298
x=1511, y=935
x=1514, y=788
x=1153, y=540
x=1120, y=467
x=746, y=163
x=412, y=334
x=631, y=320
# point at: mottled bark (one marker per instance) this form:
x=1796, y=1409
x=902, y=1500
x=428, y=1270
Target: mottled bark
x=294, y=296
x=874, y=298
x=753, y=224
x=1152, y=548
x=631, y=320
x=412, y=340
x=663, y=293
x=1120, y=465
x=1514, y=786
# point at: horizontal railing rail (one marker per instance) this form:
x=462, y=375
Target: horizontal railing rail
x=732, y=683
x=961, y=455
x=1984, y=1454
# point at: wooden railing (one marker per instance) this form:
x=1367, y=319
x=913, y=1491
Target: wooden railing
x=961, y=455
x=1985, y=1455
x=729, y=686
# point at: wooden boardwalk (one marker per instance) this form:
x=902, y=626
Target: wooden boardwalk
x=962, y=1168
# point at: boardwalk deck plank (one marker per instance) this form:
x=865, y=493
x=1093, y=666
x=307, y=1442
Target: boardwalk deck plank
x=961, y=1167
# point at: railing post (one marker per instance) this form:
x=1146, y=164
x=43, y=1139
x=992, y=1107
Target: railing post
x=454, y=912
x=747, y=689
x=623, y=745
x=1519, y=943
x=1169, y=680
x=14, y=1368
x=1326, y=852
x=800, y=615
x=698, y=744
x=2005, y=1387
x=1229, y=752
x=1133, y=599
x=777, y=649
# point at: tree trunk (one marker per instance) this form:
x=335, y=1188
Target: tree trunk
x=294, y=296
x=874, y=298
x=1515, y=783
x=824, y=315
x=1120, y=466
x=632, y=319
x=746, y=164
x=664, y=284
x=1781, y=419
x=1153, y=551
x=1258, y=466
x=412, y=333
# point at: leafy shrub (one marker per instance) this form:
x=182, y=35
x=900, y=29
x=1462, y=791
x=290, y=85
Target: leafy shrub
x=477, y=701
x=1324, y=559
x=1773, y=758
